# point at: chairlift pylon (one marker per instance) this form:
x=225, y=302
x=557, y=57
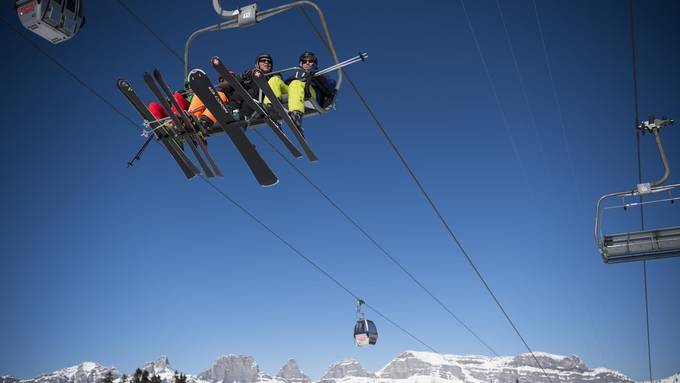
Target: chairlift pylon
x=54, y=20
x=647, y=244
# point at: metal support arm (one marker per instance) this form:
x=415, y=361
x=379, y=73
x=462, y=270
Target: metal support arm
x=234, y=20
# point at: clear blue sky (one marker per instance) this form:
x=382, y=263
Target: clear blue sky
x=119, y=266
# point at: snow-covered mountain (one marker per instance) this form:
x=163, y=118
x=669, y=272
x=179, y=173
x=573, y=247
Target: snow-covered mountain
x=675, y=378
x=346, y=368
x=413, y=366
x=407, y=367
x=87, y=372
x=290, y=372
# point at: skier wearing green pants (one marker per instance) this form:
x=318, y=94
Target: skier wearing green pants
x=322, y=88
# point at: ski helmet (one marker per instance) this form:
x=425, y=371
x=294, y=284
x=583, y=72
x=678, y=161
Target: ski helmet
x=309, y=56
x=264, y=56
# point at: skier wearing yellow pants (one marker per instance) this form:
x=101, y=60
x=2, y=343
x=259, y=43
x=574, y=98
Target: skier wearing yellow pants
x=295, y=91
x=322, y=88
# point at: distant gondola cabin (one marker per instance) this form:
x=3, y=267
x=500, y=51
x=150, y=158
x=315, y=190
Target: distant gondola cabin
x=54, y=20
x=365, y=333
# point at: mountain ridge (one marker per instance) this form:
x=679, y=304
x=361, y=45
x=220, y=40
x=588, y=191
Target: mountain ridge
x=407, y=367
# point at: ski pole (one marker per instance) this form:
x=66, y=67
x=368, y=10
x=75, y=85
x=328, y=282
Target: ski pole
x=138, y=156
x=355, y=59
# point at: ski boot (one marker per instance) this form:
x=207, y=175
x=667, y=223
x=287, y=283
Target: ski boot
x=296, y=116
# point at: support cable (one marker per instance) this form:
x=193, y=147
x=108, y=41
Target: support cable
x=494, y=91
x=532, y=118
x=557, y=102
x=231, y=200
x=377, y=245
x=348, y=217
x=525, y=97
x=312, y=263
x=433, y=206
x=73, y=75
x=148, y=28
x=639, y=171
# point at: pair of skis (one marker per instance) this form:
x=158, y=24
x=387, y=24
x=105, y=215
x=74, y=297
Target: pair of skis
x=169, y=134
x=182, y=118
x=203, y=89
x=261, y=82
x=165, y=134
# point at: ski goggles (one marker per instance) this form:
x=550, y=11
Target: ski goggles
x=264, y=60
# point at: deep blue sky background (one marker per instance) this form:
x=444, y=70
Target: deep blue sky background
x=119, y=266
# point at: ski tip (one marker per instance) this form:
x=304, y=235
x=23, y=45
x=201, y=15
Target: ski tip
x=156, y=72
x=269, y=183
x=121, y=82
x=215, y=60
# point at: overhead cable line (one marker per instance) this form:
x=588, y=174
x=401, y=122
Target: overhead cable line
x=350, y=219
x=639, y=172
x=73, y=75
x=432, y=205
x=377, y=245
x=312, y=263
x=532, y=118
x=557, y=102
x=240, y=207
x=148, y=28
x=501, y=111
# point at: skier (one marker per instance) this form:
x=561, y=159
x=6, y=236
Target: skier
x=198, y=109
x=187, y=101
x=322, y=88
x=159, y=112
x=264, y=63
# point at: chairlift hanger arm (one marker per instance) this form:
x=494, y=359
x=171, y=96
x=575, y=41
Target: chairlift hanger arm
x=654, y=125
x=235, y=21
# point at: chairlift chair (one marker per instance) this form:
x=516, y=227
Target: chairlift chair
x=365, y=331
x=188, y=127
x=644, y=244
x=53, y=20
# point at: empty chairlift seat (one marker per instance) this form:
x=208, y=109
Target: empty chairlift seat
x=653, y=243
x=650, y=243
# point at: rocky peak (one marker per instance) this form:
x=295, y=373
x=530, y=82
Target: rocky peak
x=9, y=379
x=161, y=368
x=292, y=373
x=342, y=369
x=232, y=368
x=553, y=362
x=412, y=363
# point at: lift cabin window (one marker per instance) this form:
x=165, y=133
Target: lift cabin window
x=54, y=15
